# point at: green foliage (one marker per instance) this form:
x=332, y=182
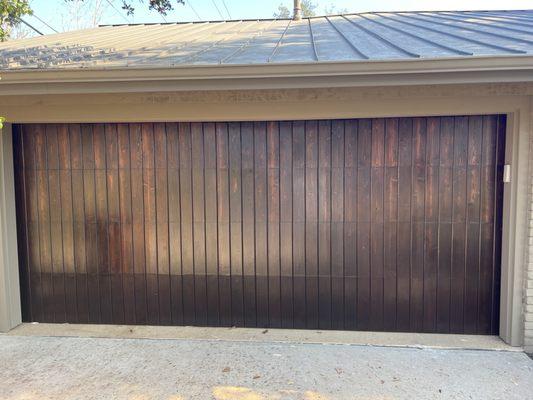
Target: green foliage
x=161, y=6
x=333, y=10
x=282, y=13
x=10, y=12
x=308, y=10
x=2, y=119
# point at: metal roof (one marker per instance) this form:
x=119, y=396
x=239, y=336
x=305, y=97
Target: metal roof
x=349, y=37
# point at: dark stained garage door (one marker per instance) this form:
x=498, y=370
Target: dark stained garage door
x=371, y=224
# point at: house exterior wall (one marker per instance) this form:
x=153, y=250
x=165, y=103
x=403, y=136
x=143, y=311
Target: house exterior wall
x=514, y=99
x=528, y=297
x=10, y=313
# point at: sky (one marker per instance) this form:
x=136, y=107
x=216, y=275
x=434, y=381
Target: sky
x=61, y=17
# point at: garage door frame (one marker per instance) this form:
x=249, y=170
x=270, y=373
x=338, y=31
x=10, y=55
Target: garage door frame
x=516, y=194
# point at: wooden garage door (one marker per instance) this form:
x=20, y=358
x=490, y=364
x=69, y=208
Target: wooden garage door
x=371, y=224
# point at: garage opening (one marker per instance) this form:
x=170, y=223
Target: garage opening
x=371, y=224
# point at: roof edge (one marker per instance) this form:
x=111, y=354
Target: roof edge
x=201, y=21
x=257, y=76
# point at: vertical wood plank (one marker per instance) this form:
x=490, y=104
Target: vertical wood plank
x=403, y=270
x=235, y=199
x=431, y=216
x=78, y=217
x=174, y=224
x=211, y=232
x=364, y=270
x=459, y=224
x=498, y=221
x=67, y=245
x=473, y=209
x=445, y=223
x=418, y=224
x=324, y=226
x=273, y=227
x=91, y=223
x=286, y=221
x=103, y=225
x=390, y=218
x=113, y=226
x=223, y=210
x=54, y=186
x=161, y=146
x=43, y=211
x=298, y=227
x=126, y=222
x=248, y=223
x=198, y=204
x=487, y=215
x=261, y=221
x=137, y=202
x=150, y=222
x=30, y=176
x=186, y=209
x=311, y=223
x=377, y=176
x=350, y=224
x=337, y=224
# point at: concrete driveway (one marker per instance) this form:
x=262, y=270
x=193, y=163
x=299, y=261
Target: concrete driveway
x=136, y=369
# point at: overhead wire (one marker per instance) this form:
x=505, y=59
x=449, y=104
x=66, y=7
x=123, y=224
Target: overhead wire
x=117, y=11
x=193, y=10
x=226, y=7
x=31, y=27
x=44, y=22
x=219, y=13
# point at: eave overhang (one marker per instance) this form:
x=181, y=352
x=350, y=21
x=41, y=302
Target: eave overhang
x=465, y=70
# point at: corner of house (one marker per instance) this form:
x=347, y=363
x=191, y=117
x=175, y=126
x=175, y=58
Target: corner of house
x=528, y=297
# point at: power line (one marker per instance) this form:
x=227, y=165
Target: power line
x=117, y=11
x=226, y=7
x=219, y=13
x=28, y=25
x=44, y=22
x=192, y=8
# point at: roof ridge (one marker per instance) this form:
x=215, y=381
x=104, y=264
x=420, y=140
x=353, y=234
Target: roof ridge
x=314, y=16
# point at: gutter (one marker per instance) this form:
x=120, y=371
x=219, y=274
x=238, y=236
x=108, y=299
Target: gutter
x=456, y=70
